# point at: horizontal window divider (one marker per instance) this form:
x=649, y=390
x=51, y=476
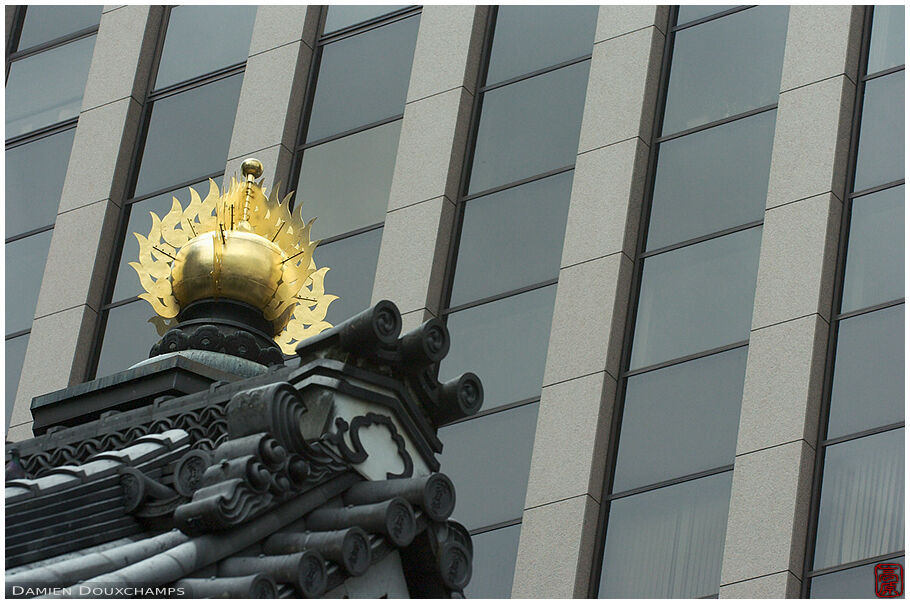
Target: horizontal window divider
x=62, y=40
x=849, y=565
x=18, y=334
x=196, y=82
x=693, y=23
x=357, y=130
x=864, y=433
x=518, y=183
x=174, y=188
x=493, y=527
x=702, y=238
x=868, y=309
x=714, y=124
x=883, y=73
x=494, y=410
x=502, y=296
x=353, y=233
x=13, y=238
x=369, y=25
x=876, y=189
x=685, y=359
x=670, y=482
x=534, y=74
x=34, y=135
x=119, y=303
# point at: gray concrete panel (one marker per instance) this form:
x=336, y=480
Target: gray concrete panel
x=778, y=585
x=822, y=42
x=276, y=161
x=284, y=24
x=613, y=20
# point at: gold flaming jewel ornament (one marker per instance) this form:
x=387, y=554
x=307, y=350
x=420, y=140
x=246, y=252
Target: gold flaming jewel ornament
x=242, y=246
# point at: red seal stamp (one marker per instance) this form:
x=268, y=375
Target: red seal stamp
x=889, y=580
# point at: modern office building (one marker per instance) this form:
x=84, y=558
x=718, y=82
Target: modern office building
x=670, y=240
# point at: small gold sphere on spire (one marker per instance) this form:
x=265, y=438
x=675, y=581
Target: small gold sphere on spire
x=251, y=167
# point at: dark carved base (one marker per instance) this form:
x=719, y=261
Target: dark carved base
x=224, y=326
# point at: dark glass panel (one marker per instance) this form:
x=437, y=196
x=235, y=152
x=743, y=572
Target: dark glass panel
x=189, y=134
x=34, y=181
x=680, y=420
x=25, y=260
x=886, y=49
x=223, y=31
x=875, y=250
x=503, y=342
x=345, y=183
x=725, y=67
x=691, y=12
x=711, y=180
x=363, y=79
x=494, y=563
x=667, y=543
x=45, y=23
x=868, y=388
x=528, y=38
x=15, y=357
x=858, y=582
x=341, y=16
x=880, y=157
x=529, y=127
x=352, y=267
x=129, y=334
x=862, y=504
x=511, y=239
x=696, y=298
x=489, y=459
x=47, y=88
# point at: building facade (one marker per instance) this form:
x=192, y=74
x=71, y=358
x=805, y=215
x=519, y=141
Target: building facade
x=668, y=239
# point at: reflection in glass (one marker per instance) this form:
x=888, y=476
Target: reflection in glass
x=363, y=78
x=858, y=582
x=691, y=12
x=188, y=135
x=696, y=298
x=511, y=239
x=711, y=180
x=528, y=38
x=880, y=158
x=489, y=458
x=503, y=342
x=128, y=337
x=341, y=16
x=862, y=503
x=223, y=31
x=886, y=49
x=680, y=420
x=725, y=67
x=45, y=23
x=34, y=181
x=667, y=543
x=875, y=250
x=868, y=388
x=495, y=553
x=46, y=88
x=529, y=127
x=15, y=357
x=345, y=183
x=352, y=267
x=25, y=260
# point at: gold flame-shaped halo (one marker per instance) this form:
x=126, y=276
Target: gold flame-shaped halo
x=298, y=306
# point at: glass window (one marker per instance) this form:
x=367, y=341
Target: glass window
x=856, y=582
x=489, y=458
x=495, y=553
x=25, y=260
x=875, y=251
x=886, y=49
x=345, y=183
x=880, y=158
x=45, y=23
x=528, y=38
x=725, y=67
x=15, y=357
x=667, y=543
x=363, y=79
x=34, y=181
x=680, y=420
x=696, y=298
x=529, y=127
x=868, y=388
x=128, y=336
x=711, y=180
x=188, y=135
x=512, y=238
x=862, y=503
x=341, y=16
x=691, y=12
x=223, y=31
x=46, y=88
x=352, y=267
x=503, y=342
